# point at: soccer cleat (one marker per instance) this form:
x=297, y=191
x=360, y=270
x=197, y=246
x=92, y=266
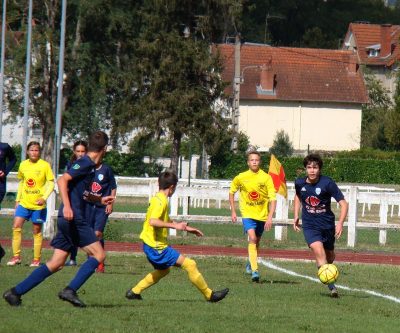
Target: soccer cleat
x=2, y=252
x=100, y=268
x=12, y=297
x=334, y=293
x=131, y=295
x=71, y=263
x=69, y=295
x=216, y=296
x=255, y=276
x=14, y=261
x=35, y=263
x=248, y=268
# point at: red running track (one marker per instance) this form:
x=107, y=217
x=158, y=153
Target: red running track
x=341, y=256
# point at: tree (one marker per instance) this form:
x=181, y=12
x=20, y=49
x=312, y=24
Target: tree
x=375, y=114
x=392, y=129
x=282, y=146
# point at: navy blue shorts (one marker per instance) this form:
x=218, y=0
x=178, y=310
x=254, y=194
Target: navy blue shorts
x=161, y=259
x=97, y=217
x=75, y=233
x=258, y=226
x=325, y=236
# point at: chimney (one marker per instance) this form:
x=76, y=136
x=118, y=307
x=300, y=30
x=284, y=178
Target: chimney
x=267, y=76
x=386, y=45
x=352, y=65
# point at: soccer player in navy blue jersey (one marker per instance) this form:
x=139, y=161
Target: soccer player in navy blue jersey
x=314, y=193
x=104, y=184
x=6, y=153
x=73, y=227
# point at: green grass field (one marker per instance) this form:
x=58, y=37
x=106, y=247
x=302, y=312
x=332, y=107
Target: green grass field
x=280, y=303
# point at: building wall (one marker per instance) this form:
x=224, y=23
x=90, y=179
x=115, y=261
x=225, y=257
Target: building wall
x=323, y=126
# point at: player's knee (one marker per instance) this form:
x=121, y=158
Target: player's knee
x=189, y=264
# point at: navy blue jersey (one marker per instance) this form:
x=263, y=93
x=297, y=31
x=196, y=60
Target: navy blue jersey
x=82, y=172
x=103, y=183
x=316, y=202
x=6, y=152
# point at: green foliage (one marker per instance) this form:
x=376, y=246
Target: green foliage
x=282, y=146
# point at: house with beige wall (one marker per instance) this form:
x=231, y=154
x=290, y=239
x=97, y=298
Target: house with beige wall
x=314, y=95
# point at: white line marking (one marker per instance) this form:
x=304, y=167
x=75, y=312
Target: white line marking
x=366, y=291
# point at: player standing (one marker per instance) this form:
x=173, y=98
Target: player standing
x=314, y=193
x=104, y=184
x=35, y=186
x=159, y=253
x=73, y=228
x=257, y=206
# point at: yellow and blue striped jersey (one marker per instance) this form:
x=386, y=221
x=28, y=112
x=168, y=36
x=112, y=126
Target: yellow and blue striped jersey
x=156, y=237
x=256, y=190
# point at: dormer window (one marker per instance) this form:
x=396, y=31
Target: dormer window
x=373, y=50
x=373, y=53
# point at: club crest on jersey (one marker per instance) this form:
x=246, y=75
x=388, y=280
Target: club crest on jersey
x=254, y=196
x=30, y=182
x=100, y=176
x=76, y=166
x=318, y=190
x=312, y=201
x=303, y=189
x=96, y=187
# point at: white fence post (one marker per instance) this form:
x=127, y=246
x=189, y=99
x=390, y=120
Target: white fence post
x=383, y=211
x=352, y=217
x=49, y=226
x=281, y=213
x=174, y=205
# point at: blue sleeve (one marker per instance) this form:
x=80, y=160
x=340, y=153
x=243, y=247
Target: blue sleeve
x=11, y=159
x=335, y=192
x=80, y=168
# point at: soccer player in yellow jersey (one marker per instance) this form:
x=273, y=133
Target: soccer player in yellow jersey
x=159, y=253
x=35, y=186
x=257, y=206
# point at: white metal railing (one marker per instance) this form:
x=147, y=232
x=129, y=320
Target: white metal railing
x=202, y=192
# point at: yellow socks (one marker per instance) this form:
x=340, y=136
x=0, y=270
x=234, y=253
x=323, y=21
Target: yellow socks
x=16, y=241
x=149, y=280
x=37, y=246
x=196, y=278
x=252, y=248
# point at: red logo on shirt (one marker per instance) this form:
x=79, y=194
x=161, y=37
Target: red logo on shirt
x=312, y=201
x=30, y=182
x=254, y=196
x=96, y=187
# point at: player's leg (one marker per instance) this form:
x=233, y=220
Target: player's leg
x=329, y=246
x=99, y=226
x=13, y=295
x=17, y=236
x=319, y=253
x=197, y=279
x=38, y=217
x=149, y=280
x=72, y=258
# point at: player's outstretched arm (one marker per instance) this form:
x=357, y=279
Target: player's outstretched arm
x=194, y=231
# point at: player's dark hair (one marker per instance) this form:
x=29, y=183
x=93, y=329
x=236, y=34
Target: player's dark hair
x=97, y=141
x=313, y=158
x=166, y=179
x=33, y=143
x=76, y=144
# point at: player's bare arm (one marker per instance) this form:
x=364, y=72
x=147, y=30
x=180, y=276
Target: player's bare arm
x=62, y=183
x=268, y=222
x=296, y=209
x=233, y=209
x=344, y=206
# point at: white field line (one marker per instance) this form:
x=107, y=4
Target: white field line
x=366, y=291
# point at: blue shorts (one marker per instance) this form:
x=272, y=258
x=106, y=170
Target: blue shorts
x=325, y=236
x=161, y=259
x=258, y=226
x=75, y=233
x=96, y=217
x=36, y=216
